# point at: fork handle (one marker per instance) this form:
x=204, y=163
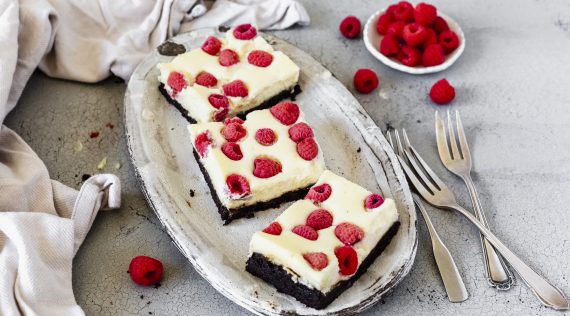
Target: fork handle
x=547, y=293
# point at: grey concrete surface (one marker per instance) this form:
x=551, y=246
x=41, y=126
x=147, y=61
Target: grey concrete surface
x=513, y=93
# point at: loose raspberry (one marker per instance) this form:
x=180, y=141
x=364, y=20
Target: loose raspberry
x=373, y=201
x=218, y=101
x=440, y=25
x=233, y=132
x=259, y=58
x=319, y=193
x=347, y=260
x=228, y=57
x=265, y=136
x=410, y=56
x=308, y=148
x=383, y=23
x=232, y=151
x=425, y=14
x=448, y=41
x=300, y=131
x=238, y=186
x=431, y=38
x=145, y=270
x=245, y=32
x=206, y=79
x=396, y=29
x=320, y=219
x=235, y=88
x=233, y=120
x=365, y=80
x=177, y=82
x=442, y=92
x=350, y=27
x=317, y=260
x=433, y=55
x=266, y=168
x=273, y=229
x=286, y=112
x=306, y=232
x=221, y=114
x=391, y=9
x=414, y=34
x=203, y=143
x=348, y=233
x=389, y=45
x=404, y=12
x=212, y=46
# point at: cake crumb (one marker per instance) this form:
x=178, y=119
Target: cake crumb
x=192, y=193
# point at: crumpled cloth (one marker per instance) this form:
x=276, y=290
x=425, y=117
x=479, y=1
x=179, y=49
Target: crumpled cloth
x=44, y=222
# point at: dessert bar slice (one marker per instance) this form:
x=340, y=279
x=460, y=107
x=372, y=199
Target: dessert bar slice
x=319, y=246
x=228, y=76
x=270, y=158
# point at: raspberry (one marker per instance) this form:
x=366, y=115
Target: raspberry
x=320, y=219
x=348, y=233
x=232, y=151
x=206, y=79
x=373, y=201
x=238, y=186
x=300, y=131
x=389, y=45
x=218, y=101
x=265, y=168
x=431, y=38
x=350, y=27
x=433, y=55
x=177, y=82
x=440, y=25
x=442, y=92
x=221, y=114
x=347, y=260
x=145, y=270
x=448, y=41
x=273, y=229
x=414, y=34
x=306, y=232
x=260, y=58
x=365, y=80
x=396, y=29
x=203, y=143
x=212, y=46
x=235, y=88
x=245, y=32
x=383, y=23
x=319, y=193
x=390, y=10
x=404, y=11
x=285, y=112
x=233, y=132
x=425, y=14
x=265, y=136
x=317, y=260
x=233, y=120
x=308, y=148
x=410, y=56
x=228, y=57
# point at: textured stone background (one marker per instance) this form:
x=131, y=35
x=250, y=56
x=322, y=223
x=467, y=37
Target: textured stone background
x=513, y=94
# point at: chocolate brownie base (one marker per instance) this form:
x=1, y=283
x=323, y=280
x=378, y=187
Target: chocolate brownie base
x=285, y=94
x=247, y=211
x=260, y=266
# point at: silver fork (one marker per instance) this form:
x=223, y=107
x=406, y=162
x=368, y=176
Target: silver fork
x=436, y=193
x=458, y=161
x=452, y=281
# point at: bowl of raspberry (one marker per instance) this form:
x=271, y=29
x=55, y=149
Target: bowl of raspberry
x=417, y=40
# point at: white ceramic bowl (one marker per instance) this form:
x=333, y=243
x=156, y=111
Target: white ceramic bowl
x=372, y=41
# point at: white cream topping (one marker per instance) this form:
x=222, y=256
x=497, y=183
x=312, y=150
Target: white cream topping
x=346, y=204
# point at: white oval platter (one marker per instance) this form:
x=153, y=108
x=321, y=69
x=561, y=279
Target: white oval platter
x=173, y=185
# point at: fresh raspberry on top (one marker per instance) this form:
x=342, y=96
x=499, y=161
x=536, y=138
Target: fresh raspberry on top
x=233, y=132
x=365, y=80
x=350, y=27
x=228, y=57
x=373, y=201
x=245, y=32
x=409, y=56
x=320, y=219
x=347, y=260
x=233, y=120
x=286, y=112
x=273, y=229
x=448, y=41
x=440, y=25
x=260, y=58
x=266, y=168
x=414, y=34
x=431, y=38
x=218, y=101
x=319, y=193
x=238, y=186
x=206, y=79
x=177, y=82
x=383, y=23
x=300, y=131
x=145, y=270
x=433, y=55
x=306, y=232
x=202, y=143
x=317, y=260
x=348, y=233
x=235, y=88
x=425, y=14
x=396, y=29
x=265, y=136
x=442, y=92
x=404, y=11
x=232, y=151
x=308, y=148
x=212, y=46
x=389, y=45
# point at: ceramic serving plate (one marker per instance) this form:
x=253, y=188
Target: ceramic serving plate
x=353, y=146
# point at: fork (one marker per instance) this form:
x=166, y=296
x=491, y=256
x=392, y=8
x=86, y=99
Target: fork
x=452, y=281
x=436, y=193
x=458, y=161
